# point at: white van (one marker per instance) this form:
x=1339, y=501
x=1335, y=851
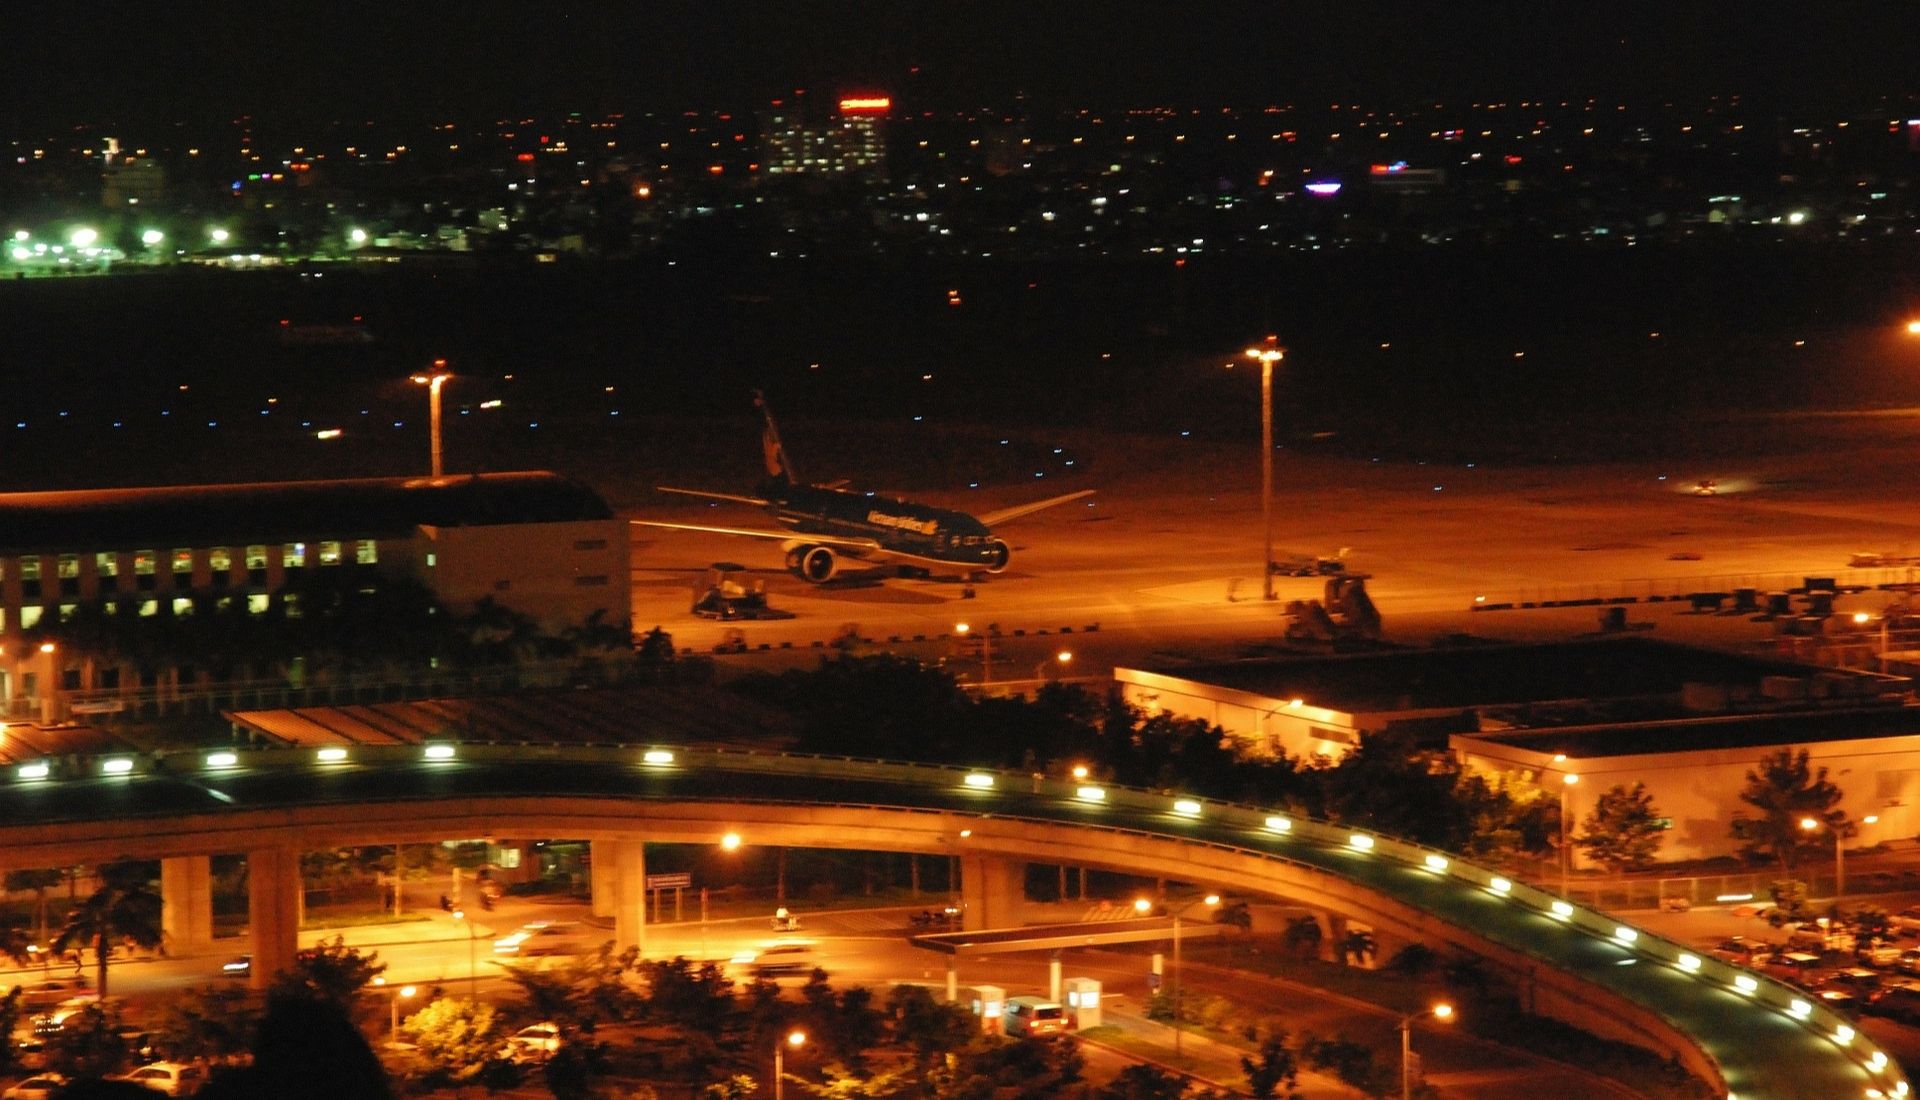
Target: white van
x=1033, y=1016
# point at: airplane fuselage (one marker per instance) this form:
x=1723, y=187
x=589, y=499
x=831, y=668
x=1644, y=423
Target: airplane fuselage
x=903, y=529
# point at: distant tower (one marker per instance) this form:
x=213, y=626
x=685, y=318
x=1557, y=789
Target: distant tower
x=799, y=140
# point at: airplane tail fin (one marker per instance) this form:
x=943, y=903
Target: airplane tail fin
x=775, y=455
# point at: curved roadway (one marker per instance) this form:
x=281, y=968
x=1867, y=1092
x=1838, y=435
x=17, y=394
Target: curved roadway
x=1765, y=1038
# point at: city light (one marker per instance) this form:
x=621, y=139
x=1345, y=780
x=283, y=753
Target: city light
x=222, y=760
x=83, y=238
x=979, y=780
x=439, y=752
x=657, y=756
x=357, y=236
x=331, y=755
x=219, y=236
x=151, y=237
x=730, y=842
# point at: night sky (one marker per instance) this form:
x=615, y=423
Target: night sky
x=95, y=60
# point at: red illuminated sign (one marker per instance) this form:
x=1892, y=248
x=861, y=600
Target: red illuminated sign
x=866, y=105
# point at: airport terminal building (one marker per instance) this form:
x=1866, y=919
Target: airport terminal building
x=533, y=542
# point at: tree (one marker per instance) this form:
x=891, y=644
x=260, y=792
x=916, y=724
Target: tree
x=456, y=1037
x=738, y=1087
x=1624, y=831
x=10, y=1009
x=1350, y=1062
x=211, y=1022
x=1357, y=947
x=1274, y=1075
x=1144, y=1083
x=1785, y=790
x=1302, y=937
x=928, y=1026
x=696, y=997
x=330, y=971
x=125, y=907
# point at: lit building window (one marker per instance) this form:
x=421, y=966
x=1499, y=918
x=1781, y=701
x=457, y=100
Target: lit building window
x=329, y=553
x=69, y=566
x=67, y=610
x=257, y=603
x=256, y=558
x=182, y=606
x=108, y=565
x=30, y=569
x=3, y=618
x=366, y=552
x=143, y=562
x=30, y=616
x=183, y=561
x=220, y=559
x=149, y=608
x=294, y=556
x=433, y=559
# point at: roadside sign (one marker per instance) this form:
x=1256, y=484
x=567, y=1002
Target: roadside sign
x=669, y=882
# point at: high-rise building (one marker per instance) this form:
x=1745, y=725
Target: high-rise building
x=850, y=141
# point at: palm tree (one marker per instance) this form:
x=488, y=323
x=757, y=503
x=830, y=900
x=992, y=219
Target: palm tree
x=39, y=881
x=126, y=906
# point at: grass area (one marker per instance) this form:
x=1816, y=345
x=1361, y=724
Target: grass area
x=1129, y=1043
x=318, y=922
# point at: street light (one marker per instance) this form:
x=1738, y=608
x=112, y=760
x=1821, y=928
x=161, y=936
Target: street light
x=433, y=380
x=1567, y=782
x=1839, y=831
x=1442, y=1011
x=1913, y=328
x=473, y=973
x=795, y=1039
x=986, y=649
x=1144, y=906
x=397, y=994
x=1267, y=355
x=1060, y=661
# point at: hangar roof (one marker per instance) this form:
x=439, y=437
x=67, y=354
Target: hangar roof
x=88, y=520
x=1476, y=676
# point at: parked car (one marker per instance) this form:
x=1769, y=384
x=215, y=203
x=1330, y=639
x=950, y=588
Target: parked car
x=534, y=1043
x=1909, y=961
x=167, y=1078
x=1858, y=979
x=1906, y=920
x=1901, y=1002
x=41, y=1086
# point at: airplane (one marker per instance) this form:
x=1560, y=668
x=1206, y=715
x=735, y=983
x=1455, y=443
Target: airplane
x=822, y=523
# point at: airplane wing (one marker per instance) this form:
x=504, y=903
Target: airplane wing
x=755, y=501
x=995, y=519
x=782, y=534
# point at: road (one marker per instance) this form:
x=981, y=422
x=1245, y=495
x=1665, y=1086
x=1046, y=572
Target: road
x=871, y=947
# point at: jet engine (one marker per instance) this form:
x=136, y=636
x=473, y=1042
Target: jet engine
x=998, y=555
x=814, y=563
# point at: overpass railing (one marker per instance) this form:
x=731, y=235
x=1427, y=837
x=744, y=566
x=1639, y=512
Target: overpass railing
x=1184, y=815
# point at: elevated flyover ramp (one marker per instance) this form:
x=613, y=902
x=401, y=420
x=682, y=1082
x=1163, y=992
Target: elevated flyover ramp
x=1753, y=1037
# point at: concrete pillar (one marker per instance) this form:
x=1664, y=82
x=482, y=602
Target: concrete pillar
x=1053, y=977
x=273, y=908
x=991, y=892
x=630, y=892
x=600, y=861
x=953, y=979
x=186, y=904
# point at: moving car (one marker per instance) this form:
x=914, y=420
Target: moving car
x=1902, y=1003
x=41, y=1086
x=239, y=966
x=167, y=1078
x=1906, y=920
x=1033, y=1016
x=786, y=958
x=543, y=938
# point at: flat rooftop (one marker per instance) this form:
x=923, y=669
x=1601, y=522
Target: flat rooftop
x=87, y=520
x=1460, y=677
x=635, y=715
x=1743, y=731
